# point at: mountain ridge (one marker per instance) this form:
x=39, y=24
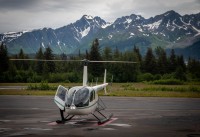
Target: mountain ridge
x=168, y=30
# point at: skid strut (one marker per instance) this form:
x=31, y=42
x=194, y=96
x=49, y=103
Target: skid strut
x=63, y=119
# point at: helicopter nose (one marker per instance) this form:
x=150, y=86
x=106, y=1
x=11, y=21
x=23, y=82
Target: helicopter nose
x=72, y=107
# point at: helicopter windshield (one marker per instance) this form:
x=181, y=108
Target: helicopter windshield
x=79, y=97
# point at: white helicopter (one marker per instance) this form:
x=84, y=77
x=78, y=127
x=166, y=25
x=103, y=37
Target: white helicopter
x=80, y=100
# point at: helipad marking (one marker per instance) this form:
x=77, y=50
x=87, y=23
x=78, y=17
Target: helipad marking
x=1, y=120
x=44, y=129
x=108, y=129
x=52, y=124
x=106, y=123
x=120, y=125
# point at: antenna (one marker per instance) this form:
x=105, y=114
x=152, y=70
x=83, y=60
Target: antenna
x=105, y=82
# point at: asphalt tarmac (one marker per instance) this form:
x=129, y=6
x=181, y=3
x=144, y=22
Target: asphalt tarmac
x=133, y=117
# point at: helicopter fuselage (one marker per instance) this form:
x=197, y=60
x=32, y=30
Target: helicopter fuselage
x=78, y=100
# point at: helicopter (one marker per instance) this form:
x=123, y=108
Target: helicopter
x=81, y=100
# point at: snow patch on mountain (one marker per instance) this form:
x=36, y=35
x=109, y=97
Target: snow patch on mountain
x=106, y=25
x=110, y=36
x=10, y=36
x=154, y=25
x=140, y=29
x=43, y=45
x=128, y=20
x=88, y=17
x=85, y=32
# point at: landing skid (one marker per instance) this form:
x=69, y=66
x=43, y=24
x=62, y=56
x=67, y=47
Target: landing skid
x=104, y=119
x=63, y=120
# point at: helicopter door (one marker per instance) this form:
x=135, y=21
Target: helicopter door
x=60, y=97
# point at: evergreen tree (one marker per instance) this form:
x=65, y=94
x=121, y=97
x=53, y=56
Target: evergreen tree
x=130, y=71
x=172, y=61
x=179, y=74
x=162, y=63
x=87, y=56
x=193, y=68
x=150, y=62
x=116, y=54
x=138, y=57
x=4, y=60
x=181, y=63
x=23, y=65
x=96, y=68
x=21, y=54
x=137, y=52
x=39, y=64
x=49, y=65
x=107, y=53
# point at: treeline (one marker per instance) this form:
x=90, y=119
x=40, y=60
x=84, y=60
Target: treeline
x=154, y=65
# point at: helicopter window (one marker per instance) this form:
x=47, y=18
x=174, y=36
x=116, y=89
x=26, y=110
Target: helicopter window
x=61, y=92
x=79, y=98
x=92, y=96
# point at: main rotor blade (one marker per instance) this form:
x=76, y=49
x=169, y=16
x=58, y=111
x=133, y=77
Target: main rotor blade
x=84, y=60
x=43, y=60
x=131, y=62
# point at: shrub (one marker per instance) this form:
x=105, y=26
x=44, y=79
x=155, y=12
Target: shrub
x=146, y=77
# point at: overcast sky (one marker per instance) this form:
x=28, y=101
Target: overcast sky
x=18, y=15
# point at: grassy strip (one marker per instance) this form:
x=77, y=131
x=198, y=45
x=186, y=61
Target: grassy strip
x=118, y=89
x=152, y=94
x=27, y=92
x=115, y=93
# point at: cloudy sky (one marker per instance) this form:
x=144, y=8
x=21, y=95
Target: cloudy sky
x=18, y=15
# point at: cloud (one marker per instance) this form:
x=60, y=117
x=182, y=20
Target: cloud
x=6, y=5
x=17, y=15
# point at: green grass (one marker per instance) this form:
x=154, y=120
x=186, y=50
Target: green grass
x=188, y=90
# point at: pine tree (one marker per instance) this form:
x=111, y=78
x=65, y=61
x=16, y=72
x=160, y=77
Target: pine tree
x=4, y=60
x=23, y=65
x=87, y=56
x=193, y=68
x=107, y=53
x=162, y=63
x=116, y=54
x=179, y=74
x=150, y=62
x=50, y=65
x=39, y=64
x=137, y=52
x=172, y=61
x=95, y=68
x=181, y=63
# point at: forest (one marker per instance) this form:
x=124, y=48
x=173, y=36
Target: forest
x=154, y=66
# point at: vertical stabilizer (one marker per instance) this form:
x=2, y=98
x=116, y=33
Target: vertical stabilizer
x=85, y=75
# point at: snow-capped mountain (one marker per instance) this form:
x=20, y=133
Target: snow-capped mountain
x=62, y=40
x=167, y=30
x=9, y=36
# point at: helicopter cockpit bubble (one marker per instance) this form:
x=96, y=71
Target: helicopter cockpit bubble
x=79, y=97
